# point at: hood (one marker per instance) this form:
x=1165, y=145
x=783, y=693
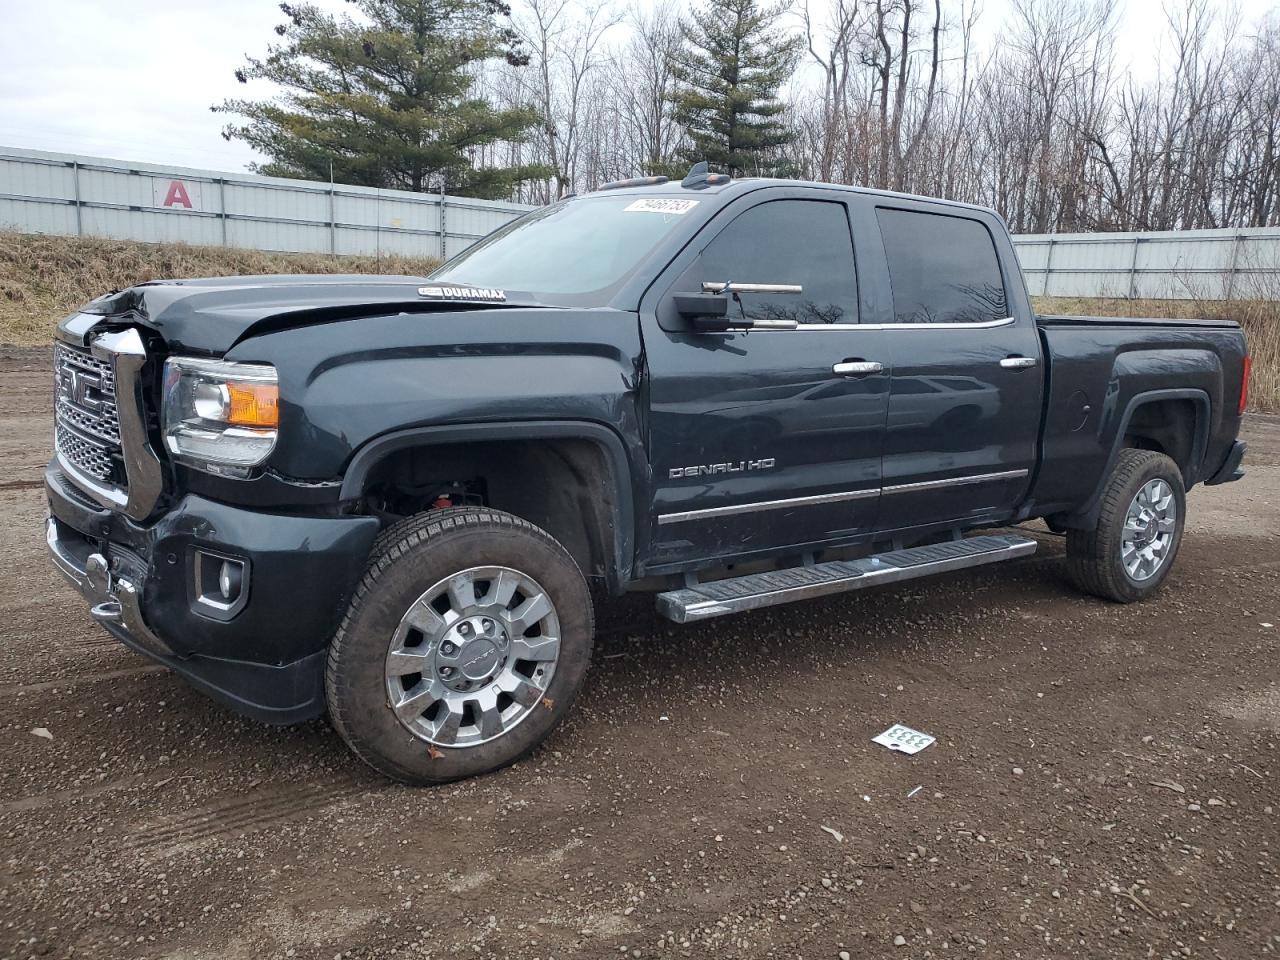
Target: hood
x=210, y=316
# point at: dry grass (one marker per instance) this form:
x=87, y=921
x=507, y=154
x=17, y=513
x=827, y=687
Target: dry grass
x=43, y=278
x=1259, y=317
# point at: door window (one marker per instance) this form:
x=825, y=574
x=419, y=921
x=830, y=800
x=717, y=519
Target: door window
x=942, y=269
x=804, y=242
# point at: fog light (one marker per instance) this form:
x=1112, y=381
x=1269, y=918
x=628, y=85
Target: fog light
x=220, y=584
x=229, y=580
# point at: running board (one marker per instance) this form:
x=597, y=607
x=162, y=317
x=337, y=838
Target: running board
x=719, y=597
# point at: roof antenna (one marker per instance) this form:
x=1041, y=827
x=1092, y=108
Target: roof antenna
x=699, y=176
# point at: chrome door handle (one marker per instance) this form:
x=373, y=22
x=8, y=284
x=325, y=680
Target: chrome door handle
x=1018, y=363
x=857, y=368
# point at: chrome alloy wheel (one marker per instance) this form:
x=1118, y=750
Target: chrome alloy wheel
x=473, y=656
x=1149, y=528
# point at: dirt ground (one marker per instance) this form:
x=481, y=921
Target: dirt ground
x=1104, y=782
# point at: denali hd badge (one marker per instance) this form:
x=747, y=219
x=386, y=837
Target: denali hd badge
x=711, y=469
x=490, y=294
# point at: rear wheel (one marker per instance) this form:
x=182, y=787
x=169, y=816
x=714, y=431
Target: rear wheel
x=1130, y=551
x=465, y=644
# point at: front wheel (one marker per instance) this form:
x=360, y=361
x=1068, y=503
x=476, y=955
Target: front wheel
x=465, y=644
x=1130, y=551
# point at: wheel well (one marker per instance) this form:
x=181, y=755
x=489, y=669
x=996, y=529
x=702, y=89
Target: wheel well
x=563, y=485
x=1168, y=427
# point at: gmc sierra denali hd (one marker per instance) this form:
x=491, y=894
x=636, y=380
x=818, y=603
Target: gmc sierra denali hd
x=384, y=498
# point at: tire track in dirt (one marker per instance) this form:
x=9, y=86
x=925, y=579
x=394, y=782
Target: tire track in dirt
x=15, y=689
x=96, y=640
x=239, y=815
x=69, y=795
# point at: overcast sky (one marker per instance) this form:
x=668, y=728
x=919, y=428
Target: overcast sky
x=134, y=79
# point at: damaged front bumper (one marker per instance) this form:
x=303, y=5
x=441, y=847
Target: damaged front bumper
x=115, y=602
x=145, y=584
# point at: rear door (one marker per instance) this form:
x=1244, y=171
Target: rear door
x=966, y=391
x=757, y=441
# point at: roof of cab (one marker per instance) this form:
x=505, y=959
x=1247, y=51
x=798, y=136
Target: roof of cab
x=743, y=185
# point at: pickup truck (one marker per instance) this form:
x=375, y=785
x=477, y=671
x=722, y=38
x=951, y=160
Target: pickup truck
x=394, y=500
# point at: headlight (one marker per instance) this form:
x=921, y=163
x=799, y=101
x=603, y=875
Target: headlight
x=220, y=416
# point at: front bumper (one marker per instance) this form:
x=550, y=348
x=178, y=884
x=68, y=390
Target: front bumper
x=267, y=659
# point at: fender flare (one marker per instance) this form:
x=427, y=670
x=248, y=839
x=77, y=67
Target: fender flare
x=374, y=451
x=1087, y=515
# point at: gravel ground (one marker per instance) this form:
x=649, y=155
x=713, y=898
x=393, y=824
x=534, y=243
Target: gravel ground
x=1104, y=782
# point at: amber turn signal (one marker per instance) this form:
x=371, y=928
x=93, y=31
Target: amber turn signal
x=254, y=405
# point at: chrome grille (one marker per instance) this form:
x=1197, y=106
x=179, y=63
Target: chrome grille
x=87, y=426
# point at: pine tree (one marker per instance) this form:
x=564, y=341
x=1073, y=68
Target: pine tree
x=385, y=101
x=729, y=70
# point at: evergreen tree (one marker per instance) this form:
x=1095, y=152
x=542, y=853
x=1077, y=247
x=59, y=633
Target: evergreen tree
x=729, y=69
x=387, y=101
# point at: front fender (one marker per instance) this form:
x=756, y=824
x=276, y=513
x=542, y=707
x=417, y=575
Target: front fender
x=345, y=383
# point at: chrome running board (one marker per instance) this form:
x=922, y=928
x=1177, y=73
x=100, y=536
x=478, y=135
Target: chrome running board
x=736, y=594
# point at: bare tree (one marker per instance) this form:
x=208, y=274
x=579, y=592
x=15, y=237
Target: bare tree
x=1038, y=122
x=565, y=43
x=644, y=83
x=1256, y=80
x=834, y=48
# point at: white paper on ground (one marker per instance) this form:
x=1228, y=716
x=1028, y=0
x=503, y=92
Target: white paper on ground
x=903, y=739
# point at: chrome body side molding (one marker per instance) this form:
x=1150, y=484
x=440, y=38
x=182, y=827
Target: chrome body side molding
x=709, y=512
x=955, y=481
x=767, y=505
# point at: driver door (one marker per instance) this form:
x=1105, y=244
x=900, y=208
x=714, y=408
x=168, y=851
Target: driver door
x=770, y=439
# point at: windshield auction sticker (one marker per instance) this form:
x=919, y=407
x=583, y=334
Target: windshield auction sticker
x=660, y=205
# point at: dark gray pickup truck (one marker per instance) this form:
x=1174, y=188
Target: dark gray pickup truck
x=384, y=498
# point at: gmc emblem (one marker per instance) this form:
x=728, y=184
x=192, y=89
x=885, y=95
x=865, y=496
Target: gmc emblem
x=81, y=388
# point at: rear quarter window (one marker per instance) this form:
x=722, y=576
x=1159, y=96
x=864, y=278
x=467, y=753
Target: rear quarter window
x=942, y=269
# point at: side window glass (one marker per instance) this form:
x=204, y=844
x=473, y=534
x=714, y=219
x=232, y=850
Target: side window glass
x=804, y=242
x=942, y=269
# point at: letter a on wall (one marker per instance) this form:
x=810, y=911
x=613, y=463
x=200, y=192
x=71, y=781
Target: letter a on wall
x=176, y=194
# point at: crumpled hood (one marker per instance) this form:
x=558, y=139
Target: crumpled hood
x=210, y=316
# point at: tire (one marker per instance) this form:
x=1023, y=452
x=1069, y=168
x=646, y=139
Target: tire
x=458, y=662
x=1101, y=561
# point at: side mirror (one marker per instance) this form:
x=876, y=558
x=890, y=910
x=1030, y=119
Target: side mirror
x=706, y=311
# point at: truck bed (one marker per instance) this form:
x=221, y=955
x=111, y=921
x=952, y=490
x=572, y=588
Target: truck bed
x=1100, y=368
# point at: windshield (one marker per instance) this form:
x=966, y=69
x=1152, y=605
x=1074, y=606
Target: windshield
x=571, y=249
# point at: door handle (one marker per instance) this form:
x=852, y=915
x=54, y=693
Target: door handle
x=1018, y=363
x=857, y=368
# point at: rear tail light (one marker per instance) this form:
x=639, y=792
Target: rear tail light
x=1244, y=383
